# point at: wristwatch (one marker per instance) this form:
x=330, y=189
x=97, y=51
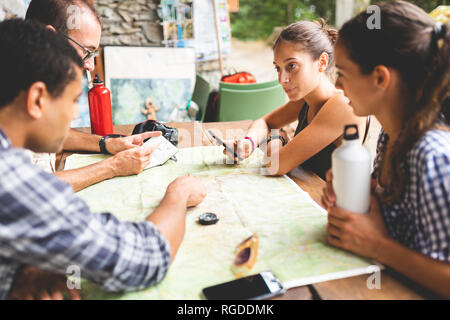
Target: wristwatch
x=276, y=137
x=102, y=142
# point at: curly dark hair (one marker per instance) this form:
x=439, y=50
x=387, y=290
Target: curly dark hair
x=31, y=53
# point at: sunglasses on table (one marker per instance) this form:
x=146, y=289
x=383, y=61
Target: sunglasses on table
x=89, y=53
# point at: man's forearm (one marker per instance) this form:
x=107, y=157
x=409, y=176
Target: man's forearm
x=80, y=141
x=426, y=271
x=170, y=218
x=86, y=176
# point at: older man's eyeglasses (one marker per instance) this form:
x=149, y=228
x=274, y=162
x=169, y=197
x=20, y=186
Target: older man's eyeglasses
x=89, y=53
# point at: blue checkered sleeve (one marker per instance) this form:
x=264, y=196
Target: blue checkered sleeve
x=43, y=223
x=433, y=169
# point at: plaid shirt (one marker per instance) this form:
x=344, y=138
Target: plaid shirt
x=44, y=224
x=421, y=219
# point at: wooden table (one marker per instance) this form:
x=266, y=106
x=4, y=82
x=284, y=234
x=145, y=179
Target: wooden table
x=393, y=286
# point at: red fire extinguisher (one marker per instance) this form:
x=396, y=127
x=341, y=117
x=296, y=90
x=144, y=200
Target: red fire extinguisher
x=100, y=108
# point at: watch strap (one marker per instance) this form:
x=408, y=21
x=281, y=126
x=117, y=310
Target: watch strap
x=102, y=145
x=284, y=142
x=102, y=142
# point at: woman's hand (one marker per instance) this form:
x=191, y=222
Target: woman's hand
x=356, y=232
x=242, y=147
x=329, y=197
x=272, y=157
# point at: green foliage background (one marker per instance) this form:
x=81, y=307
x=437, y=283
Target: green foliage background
x=257, y=18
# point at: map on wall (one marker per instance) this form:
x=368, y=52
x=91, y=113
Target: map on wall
x=148, y=81
x=129, y=97
x=191, y=24
x=205, y=39
x=177, y=22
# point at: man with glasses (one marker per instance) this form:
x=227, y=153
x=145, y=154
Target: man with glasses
x=77, y=20
x=88, y=53
x=81, y=25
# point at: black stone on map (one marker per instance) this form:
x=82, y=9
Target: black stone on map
x=208, y=218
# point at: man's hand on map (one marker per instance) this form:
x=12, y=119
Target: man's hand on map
x=116, y=145
x=170, y=216
x=131, y=161
x=192, y=187
x=35, y=284
x=356, y=232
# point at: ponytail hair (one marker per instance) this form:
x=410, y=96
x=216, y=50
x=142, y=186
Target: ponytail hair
x=330, y=32
x=410, y=42
x=315, y=37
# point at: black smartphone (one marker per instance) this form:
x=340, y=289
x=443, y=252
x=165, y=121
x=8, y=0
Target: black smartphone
x=256, y=287
x=223, y=144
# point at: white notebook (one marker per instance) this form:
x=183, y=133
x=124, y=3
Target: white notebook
x=164, y=152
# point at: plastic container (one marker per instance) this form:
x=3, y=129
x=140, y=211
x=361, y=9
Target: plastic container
x=351, y=173
x=100, y=108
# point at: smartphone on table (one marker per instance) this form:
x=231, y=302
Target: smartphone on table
x=256, y=287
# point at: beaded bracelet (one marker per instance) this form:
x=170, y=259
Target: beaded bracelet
x=253, y=143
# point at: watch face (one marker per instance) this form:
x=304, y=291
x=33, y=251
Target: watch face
x=283, y=141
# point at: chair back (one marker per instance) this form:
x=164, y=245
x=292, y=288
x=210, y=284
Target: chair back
x=235, y=105
x=201, y=94
x=248, y=86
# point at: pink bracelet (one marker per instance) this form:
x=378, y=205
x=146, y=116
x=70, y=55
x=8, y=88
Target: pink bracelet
x=253, y=143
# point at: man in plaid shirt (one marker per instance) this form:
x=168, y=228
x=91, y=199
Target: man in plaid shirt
x=42, y=222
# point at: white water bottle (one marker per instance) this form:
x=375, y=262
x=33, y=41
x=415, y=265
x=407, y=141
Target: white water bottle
x=351, y=173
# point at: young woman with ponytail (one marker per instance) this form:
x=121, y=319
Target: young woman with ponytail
x=401, y=75
x=304, y=60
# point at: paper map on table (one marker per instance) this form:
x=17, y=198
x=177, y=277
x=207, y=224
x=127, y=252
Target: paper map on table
x=290, y=225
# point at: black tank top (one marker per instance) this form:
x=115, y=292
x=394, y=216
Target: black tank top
x=320, y=163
